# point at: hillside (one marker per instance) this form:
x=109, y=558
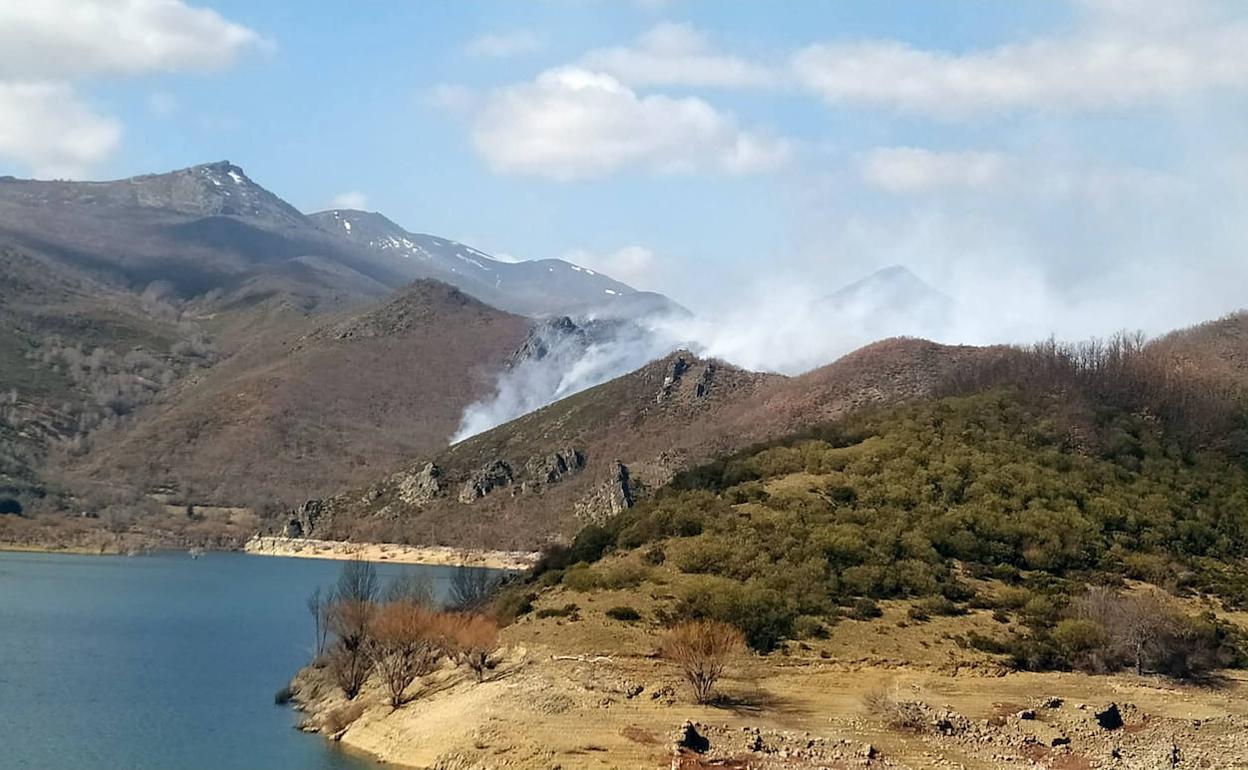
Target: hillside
x=981, y=581
x=320, y=409
x=589, y=456
x=191, y=338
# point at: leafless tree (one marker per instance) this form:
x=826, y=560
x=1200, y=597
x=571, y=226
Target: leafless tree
x=702, y=649
x=318, y=607
x=412, y=588
x=349, y=658
x=405, y=643
x=471, y=588
x=474, y=642
x=357, y=582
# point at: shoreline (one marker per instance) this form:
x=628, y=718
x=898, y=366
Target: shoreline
x=79, y=550
x=393, y=553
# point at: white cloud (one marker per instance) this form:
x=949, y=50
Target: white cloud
x=54, y=39
x=571, y=123
x=48, y=127
x=353, y=199
x=677, y=54
x=48, y=45
x=1120, y=58
x=915, y=169
x=921, y=171
x=502, y=45
x=634, y=265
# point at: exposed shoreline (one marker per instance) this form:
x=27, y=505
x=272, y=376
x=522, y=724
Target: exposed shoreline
x=80, y=550
x=442, y=556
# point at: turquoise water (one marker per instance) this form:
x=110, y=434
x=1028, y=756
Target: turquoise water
x=162, y=662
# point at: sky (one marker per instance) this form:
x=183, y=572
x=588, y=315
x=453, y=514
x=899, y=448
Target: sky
x=1068, y=166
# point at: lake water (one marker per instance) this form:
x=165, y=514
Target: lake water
x=162, y=662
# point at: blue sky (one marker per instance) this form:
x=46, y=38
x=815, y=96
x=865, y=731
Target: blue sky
x=1068, y=165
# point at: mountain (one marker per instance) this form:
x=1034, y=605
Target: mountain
x=888, y=303
x=192, y=336
x=537, y=288
x=591, y=455
x=210, y=231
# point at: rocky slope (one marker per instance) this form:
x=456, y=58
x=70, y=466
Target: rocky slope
x=586, y=457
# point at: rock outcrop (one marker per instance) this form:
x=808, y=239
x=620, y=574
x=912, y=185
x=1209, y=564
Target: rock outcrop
x=302, y=522
x=550, y=468
x=485, y=480
x=609, y=499
x=421, y=487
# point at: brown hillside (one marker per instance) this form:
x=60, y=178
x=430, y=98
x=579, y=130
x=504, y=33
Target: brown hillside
x=301, y=412
x=586, y=457
x=1217, y=349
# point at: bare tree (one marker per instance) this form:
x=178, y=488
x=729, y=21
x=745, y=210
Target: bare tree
x=409, y=587
x=405, y=643
x=702, y=649
x=318, y=606
x=357, y=582
x=474, y=640
x=471, y=588
x=349, y=659
x=349, y=615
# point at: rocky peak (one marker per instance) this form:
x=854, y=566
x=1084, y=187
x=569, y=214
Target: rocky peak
x=211, y=189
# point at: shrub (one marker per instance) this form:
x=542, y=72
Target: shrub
x=475, y=641
x=284, y=695
x=624, y=613
x=702, y=649
x=865, y=609
x=759, y=613
x=938, y=606
x=624, y=574
x=1080, y=640
x=904, y=715
x=570, y=611
x=809, y=627
x=512, y=604
x=580, y=578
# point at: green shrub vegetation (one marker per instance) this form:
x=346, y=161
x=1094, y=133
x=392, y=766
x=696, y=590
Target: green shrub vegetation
x=898, y=503
x=624, y=613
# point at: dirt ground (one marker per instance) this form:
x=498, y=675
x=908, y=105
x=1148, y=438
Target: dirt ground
x=590, y=692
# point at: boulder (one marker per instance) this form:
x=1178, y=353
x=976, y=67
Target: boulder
x=1109, y=718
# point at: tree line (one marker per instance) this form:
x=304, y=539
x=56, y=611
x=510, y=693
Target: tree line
x=396, y=632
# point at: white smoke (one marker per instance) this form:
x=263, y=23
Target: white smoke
x=569, y=363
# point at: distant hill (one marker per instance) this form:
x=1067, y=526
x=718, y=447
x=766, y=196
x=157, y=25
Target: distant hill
x=538, y=287
x=889, y=302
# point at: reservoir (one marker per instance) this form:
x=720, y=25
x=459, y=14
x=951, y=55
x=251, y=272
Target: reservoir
x=160, y=662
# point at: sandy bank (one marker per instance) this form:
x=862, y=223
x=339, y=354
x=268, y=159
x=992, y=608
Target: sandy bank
x=390, y=552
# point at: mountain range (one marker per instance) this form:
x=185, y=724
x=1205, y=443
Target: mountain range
x=186, y=358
